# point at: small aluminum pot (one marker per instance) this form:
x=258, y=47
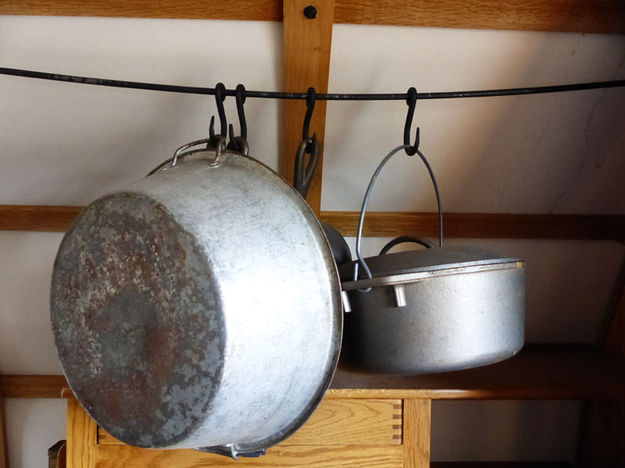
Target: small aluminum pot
x=198, y=307
x=433, y=310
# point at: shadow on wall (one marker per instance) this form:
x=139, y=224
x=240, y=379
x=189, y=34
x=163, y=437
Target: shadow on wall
x=547, y=153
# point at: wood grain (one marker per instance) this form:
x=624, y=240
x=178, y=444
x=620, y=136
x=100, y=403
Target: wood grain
x=37, y=217
x=337, y=422
x=259, y=10
x=417, y=428
x=4, y=450
x=277, y=457
x=34, y=386
x=605, y=16
x=481, y=225
x=81, y=437
x=384, y=224
x=352, y=422
x=544, y=373
x=306, y=47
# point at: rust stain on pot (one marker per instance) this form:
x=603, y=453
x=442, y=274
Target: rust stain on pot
x=136, y=320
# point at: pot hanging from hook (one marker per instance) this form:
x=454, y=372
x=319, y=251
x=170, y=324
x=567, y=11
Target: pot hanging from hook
x=303, y=176
x=430, y=310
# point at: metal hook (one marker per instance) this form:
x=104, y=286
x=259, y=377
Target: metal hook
x=240, y=98
x=239, y=143
x=411, y=100
x=302, y=176
x=311, y=98
x=220, y=96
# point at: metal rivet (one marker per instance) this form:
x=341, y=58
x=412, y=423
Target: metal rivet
x=399, y=295
x=310, y=12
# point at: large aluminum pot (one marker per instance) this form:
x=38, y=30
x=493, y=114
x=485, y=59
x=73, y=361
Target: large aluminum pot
x=434, y=310
x=199, y=307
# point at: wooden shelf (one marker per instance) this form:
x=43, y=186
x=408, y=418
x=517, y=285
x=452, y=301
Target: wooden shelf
x=52, y=218
x=543, y=373
x=548, y=373
x=528, y=464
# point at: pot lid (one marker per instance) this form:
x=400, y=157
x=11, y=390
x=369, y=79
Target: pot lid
x=457, y=258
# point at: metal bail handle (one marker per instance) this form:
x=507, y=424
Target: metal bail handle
x=232, y=451
x=218, y=141
x=361, y=261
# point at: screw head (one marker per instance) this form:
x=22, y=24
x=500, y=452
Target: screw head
x=310, y=12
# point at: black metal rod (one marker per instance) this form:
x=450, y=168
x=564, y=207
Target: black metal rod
x=322, y=97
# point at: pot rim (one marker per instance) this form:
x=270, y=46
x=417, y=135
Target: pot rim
x=423, y=274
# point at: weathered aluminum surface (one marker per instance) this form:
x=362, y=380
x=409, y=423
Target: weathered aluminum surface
x=198, y=307
x=435, y=318
x=424, y=274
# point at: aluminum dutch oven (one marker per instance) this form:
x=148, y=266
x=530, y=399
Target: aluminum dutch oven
x=198, y=307
x=433, y=310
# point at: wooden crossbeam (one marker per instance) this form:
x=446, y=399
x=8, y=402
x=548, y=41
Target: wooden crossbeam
x=606, y=16
x=385, y=224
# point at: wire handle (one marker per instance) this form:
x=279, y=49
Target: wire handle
x=185, y=150
x=361, y=261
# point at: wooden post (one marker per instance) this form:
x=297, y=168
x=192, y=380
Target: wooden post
x=306, y=46
x=603, y=440
x=417, y=425
x=4, y=452
x=82, y=433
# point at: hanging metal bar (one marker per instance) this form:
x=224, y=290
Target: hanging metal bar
x=322, y=97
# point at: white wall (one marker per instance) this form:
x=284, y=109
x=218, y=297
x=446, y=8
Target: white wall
x=66, y=144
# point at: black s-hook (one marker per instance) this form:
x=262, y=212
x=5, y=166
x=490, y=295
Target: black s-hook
x=239, y=143
x=220, y=96
x=311, y=99
x=411, y=100
x=303, y=175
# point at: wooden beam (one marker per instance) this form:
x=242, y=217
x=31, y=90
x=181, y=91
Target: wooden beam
x=417, y=425
x=37, y=218
x=257, y=10
x=613, y=339
x=306, y=62
x=538, y=373
x=4, y=450
x=605, y=16
x=603, y=421
x=82, y=437
x=34, y=386
x=503, y=464
x=481, y=225
x=384, y=224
